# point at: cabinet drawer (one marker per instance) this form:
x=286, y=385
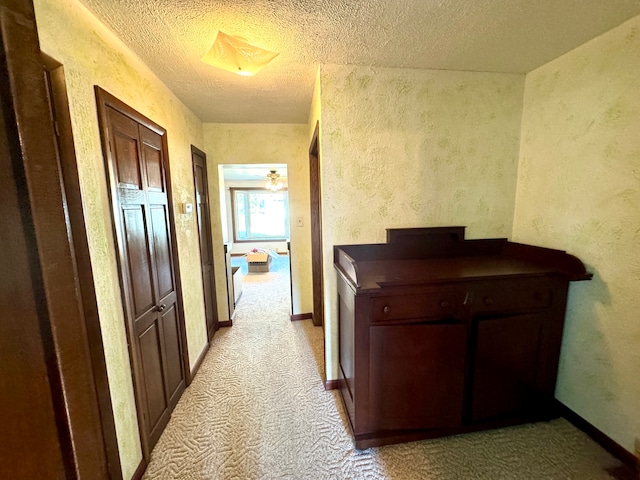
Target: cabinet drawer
x=427, y=306
x=512, y=295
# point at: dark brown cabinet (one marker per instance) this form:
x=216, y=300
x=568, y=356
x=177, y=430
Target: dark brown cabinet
x=441, y=335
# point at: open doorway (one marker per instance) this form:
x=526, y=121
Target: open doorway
x=255, y=223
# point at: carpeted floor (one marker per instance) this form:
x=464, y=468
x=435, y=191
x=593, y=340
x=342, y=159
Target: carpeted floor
x=258, y=410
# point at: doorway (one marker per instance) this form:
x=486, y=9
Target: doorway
x=255, y=220
x=201, y=186
x=316, y=230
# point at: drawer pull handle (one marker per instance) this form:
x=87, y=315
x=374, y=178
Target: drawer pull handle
x=445, y=304
x=386, y=309
x=488, y=301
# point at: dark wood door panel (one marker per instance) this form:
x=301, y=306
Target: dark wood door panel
x=153, y=162
x=429, y=393
x=207, y=275
x=138, y=260
x=506, y=363
x=149, y=343
x=125, y=150
x=174, y=374
x=162, y=250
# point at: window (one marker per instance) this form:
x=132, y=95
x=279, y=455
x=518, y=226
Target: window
x=260, y=214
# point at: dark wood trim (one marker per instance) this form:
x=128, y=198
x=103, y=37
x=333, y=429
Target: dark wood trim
x=225, y=323
x=291, y=306
x=50, y=414
x=105, y=100
x=317, y=270
x=195, y=151
x=602, y=439
x=71, y=181
x=142, y=467
x=200, y=359
x=316, y=228
x=332, y=384
x=301, y=316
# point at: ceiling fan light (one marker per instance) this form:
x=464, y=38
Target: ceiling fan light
x=237, y=55
x=273, y=183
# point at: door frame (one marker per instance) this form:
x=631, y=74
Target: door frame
x=51, y=333
x=68, y=165
x=207, y=224
x=316, y=229
x=104, y=101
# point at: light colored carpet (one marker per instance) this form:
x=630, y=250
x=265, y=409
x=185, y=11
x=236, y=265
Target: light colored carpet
x=258, y=410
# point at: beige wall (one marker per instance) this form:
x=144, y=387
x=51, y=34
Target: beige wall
x=579, y=190
x=93, y=55
x=267, y=143
x=406, y=148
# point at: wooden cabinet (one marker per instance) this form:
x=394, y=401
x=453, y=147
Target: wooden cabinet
x=441, y=335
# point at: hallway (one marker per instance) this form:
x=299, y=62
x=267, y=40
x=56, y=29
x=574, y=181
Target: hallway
x=257, y=409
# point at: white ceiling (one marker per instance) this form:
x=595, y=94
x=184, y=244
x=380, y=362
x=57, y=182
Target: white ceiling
x=476, y=35
x=252, y=171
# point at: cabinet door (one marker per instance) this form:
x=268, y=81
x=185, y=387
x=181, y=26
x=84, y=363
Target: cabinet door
x=506, y=362
x=417, y=376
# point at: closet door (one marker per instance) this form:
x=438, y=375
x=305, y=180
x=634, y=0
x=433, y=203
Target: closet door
x=136, y=164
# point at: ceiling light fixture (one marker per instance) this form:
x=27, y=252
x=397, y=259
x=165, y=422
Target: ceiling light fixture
x=273, y=183
x=236, y=55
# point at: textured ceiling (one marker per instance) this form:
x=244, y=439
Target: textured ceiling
x=477, y=35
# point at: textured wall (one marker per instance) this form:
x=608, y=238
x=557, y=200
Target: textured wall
x=579, y=190
x=268, y=143
x=408, y=148
x=92, y=55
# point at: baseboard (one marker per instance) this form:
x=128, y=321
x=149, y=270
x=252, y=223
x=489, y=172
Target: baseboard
x=225, y=323
x=332, y=384
x=142, y=467
x=606, y=442
x=198, y=363
x=301, y=316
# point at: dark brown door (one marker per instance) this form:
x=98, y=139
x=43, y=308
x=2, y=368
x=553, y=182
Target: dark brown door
x=316, y=232
x=136, y=163
x=206, y=249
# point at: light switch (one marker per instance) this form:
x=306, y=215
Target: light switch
x=299, y=222
x=187, y=207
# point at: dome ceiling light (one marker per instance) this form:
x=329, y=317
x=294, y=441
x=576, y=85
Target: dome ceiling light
x=236, y=55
